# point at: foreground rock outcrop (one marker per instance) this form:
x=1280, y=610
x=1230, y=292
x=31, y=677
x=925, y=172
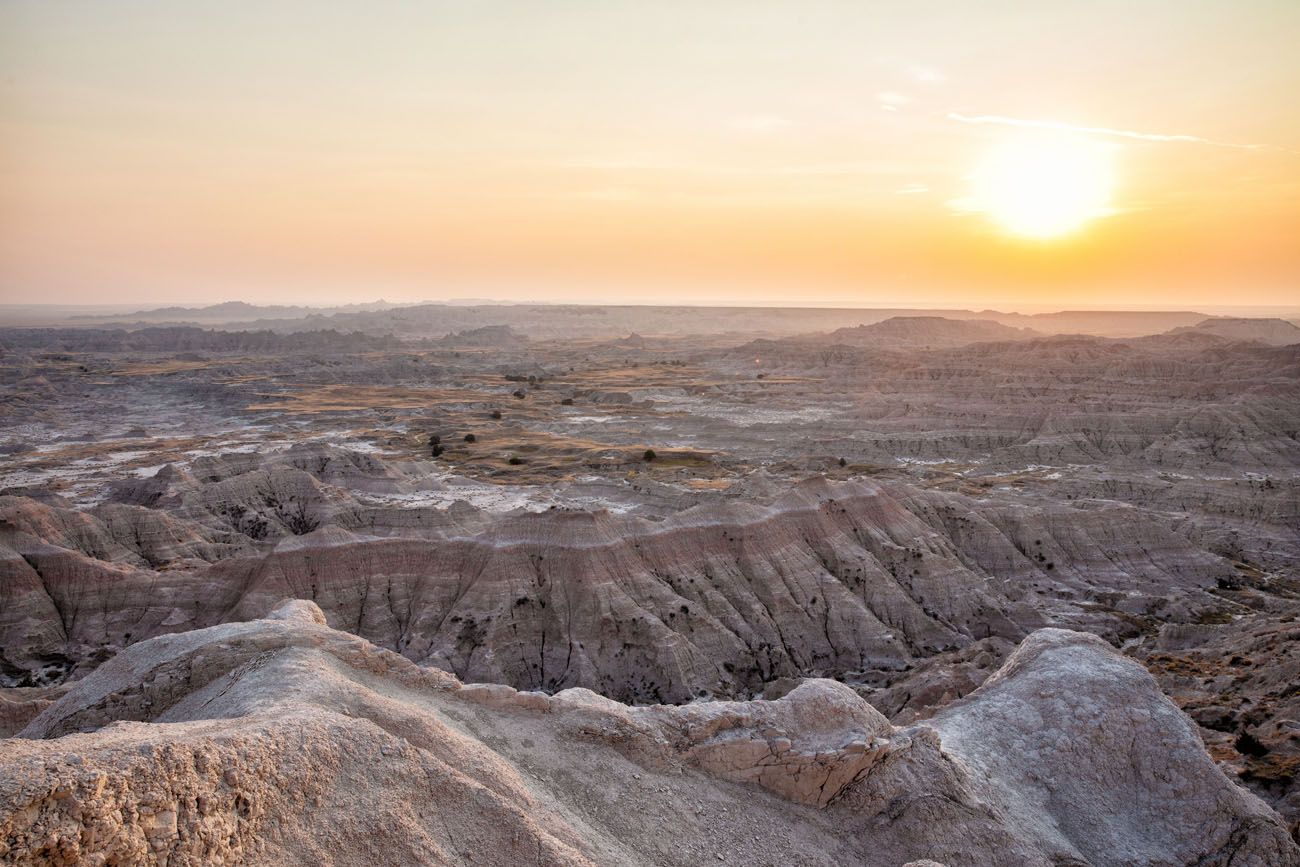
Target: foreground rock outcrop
x=284, y=741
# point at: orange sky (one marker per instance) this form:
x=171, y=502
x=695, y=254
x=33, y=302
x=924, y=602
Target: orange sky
x=752, y=152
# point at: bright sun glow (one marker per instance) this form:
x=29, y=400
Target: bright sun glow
x=1044, y=186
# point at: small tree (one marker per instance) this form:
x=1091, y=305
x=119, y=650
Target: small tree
x=649, y=455
x=843, y=462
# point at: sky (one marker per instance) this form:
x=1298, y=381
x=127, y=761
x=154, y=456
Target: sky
x=644, y=152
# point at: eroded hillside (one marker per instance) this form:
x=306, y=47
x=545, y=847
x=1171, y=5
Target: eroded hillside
x=662, y=518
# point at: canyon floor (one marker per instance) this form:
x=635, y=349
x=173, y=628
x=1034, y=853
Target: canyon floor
x=607, y=585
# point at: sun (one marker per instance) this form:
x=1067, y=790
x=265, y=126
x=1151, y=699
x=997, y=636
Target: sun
x=1043, y=186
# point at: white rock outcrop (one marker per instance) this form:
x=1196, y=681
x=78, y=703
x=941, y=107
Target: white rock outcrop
x=282, y=741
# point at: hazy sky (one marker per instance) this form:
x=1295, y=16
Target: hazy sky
x=744, y=151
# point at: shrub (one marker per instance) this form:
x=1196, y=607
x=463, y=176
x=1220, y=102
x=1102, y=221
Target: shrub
x=568, y=401
x=843, y=462
x=519, y=394
x=496, y=414
x=470, y=438
x=1248, y=745
x=515, y=460
x=649, y=455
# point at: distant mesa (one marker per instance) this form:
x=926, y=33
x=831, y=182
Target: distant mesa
x=1104, y=323
x=232, y=311
x=423, y=320
x=189, y=340
x=937, y=332
x=487, y=337
x=1274, y=332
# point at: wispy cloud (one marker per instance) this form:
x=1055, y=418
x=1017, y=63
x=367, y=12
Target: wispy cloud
x=891, y=100
x=927, y=74
x=651, y=164
x=1002, y=120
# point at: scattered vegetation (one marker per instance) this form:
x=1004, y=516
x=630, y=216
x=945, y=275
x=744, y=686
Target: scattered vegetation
x=1248, y=745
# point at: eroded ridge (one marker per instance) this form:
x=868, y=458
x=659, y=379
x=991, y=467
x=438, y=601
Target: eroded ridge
x=281, y=740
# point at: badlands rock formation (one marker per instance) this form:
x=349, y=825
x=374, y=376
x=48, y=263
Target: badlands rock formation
x=704, y=508
x=284, y=741
x=189, y=339
x=1277, y=332
x=925, y=332
x=1238, y=681
x=566, y=321
x=848, y=579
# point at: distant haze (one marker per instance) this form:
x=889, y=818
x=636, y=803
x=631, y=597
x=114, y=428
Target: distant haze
x=813, y=153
